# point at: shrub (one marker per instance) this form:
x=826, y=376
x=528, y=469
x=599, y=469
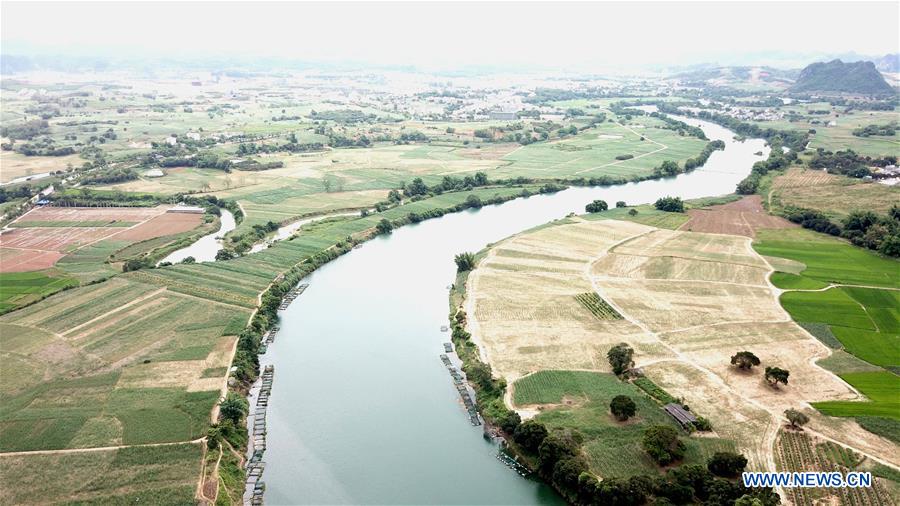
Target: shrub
x=726, y=464
x=622, y=407
x=661, y=442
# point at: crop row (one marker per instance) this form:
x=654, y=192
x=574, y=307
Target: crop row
x=597, y=306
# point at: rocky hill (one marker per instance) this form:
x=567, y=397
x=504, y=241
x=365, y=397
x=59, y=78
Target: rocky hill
x=836, y=76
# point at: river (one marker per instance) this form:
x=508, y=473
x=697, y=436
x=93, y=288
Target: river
x=205, y=248
x=362, y=410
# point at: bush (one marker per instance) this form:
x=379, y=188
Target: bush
x=464, y=261
x=620, y=203
x=726, y=464
x=670, y=204
x=622, y=407
x=384, y=227
x=663, y=445
x=596, y=206
x=530, y=435
x=234, y=408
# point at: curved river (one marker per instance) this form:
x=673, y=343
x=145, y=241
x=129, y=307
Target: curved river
x=362, y=410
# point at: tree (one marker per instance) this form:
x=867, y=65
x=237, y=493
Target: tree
x=224, y=254
x=464, y=261
x=796, y=418
x=235, y=407
x=596, y=206
x=510, y=422
x=661, y=442
x=748, y=500
x=744, y=360
x=632, y=212
x=384, y=226
x=530, y=435
x=557, y=446
x=189, y=260
x=473, y=201
x=726, y=464
x=394, y=196
x=417, y=187
x=620, y=203
x=622, y=407
x=620, y=358
x=776, y=375
x=670, y=204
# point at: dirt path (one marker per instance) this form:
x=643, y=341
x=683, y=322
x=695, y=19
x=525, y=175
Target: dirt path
x=662, y=147
x=98, y=448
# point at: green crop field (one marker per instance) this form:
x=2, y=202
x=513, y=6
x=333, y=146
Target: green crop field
x=880, y=387
x=864, y=321
x=20, y=288
x=580, y=400
x=164, y=475
x=828, y=259
x=832, y=306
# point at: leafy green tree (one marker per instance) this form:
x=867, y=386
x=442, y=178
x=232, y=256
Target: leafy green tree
x=663, y=445
x=622, y=407
x=557, y=446
x=464, y=261
x=510, y=422
x=621, y=358
x=224, y=254
x=620, y=203
x=776, y=375
x=670, y=204
x=726, y=464
x=529, y=435
x=234, y=408
x=596, y=206
x=384, y=226
x=474, y=201
x=632, y=212
x=796, y=418
x=189, y=260
x=744, y=360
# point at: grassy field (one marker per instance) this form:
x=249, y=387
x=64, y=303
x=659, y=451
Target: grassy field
x=165, y=475
x=18, y=289
x=864, y=322
x=828, y=259
x=833, y=195
x=580, y=400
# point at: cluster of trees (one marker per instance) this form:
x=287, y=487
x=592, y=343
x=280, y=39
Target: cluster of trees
x=25, y=130
x=670, y=168
x=109, y=176
x=291, y=146
x=42, y=147
x=560, y=461
x=448, y=184
x=863, y=228
x=679, y=126
x=346, y=116
x=596, y=206
x=794, y=139
x=887, y=130
x=16, y=192
x=848, y=162
x=621, y=358
x=777, y=160
x=243, y=242
x=746, y=360
x=670, y=204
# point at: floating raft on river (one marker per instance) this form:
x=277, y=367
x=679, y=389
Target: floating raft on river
x=291, y=295
x=253, y=493
x=460, y=383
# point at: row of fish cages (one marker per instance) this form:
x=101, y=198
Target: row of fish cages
x=460, y=382
x=291, y=295
x=255, y=486
x=513, y=463
x=267, y=339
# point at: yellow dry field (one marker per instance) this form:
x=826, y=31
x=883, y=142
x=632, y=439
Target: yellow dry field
x=14, y=165
x=689, y=301
x=831, y=194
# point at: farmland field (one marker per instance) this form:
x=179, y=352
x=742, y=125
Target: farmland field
x=693, y=297
x=21, y=288
x=834, y=195
x=580, y=400
x=165, y=475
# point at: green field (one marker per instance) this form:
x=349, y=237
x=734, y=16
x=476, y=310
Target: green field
x=580, y=400
x=165, y=475
x=862, y=323
x=828, y=259
x=18, y=289
x=880, y=387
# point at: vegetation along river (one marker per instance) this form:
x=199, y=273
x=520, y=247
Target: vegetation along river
x=362, y=409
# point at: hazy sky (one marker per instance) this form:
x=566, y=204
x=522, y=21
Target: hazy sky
x=563, y=35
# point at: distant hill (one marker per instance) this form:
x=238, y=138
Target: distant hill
x=888, y=63
x=836, y=76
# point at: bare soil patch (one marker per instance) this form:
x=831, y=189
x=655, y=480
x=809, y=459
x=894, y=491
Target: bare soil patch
x=742, y=217
x=165, y=224
x=21, y=260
